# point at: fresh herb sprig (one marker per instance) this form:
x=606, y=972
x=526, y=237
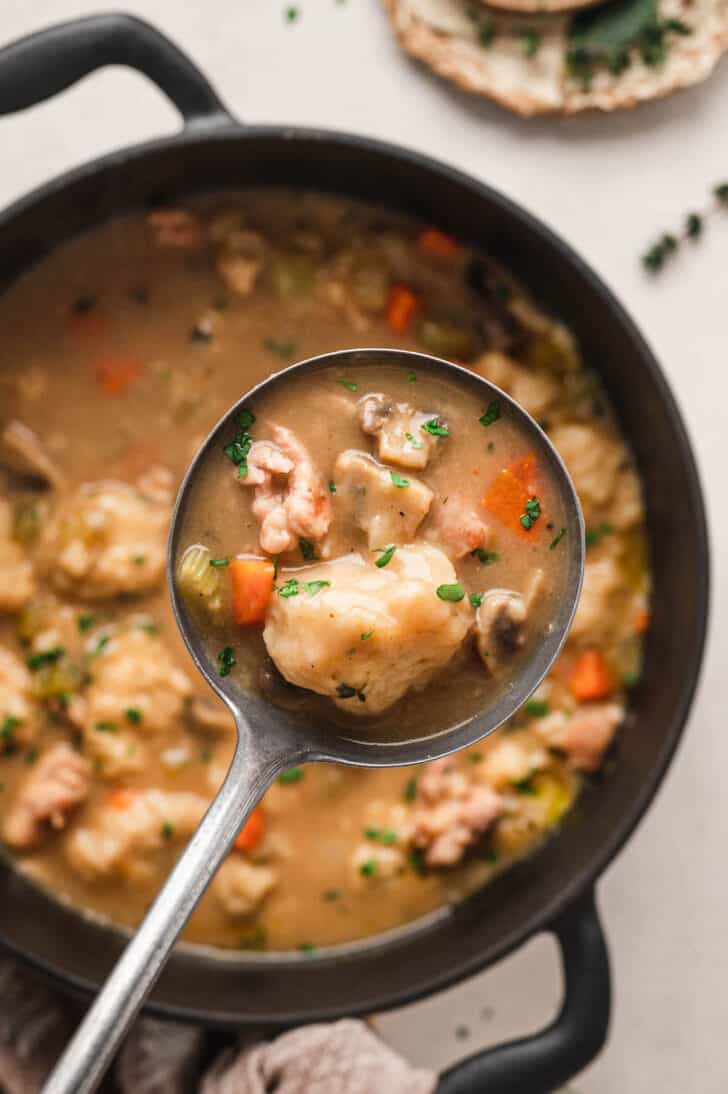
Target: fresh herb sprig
x=666, y=246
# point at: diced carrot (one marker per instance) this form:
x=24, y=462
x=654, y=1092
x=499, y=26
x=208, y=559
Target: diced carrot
x=401, y=308
x=252, y=588
x=435, y=242
x=642, y=621
x=590, y=677
x=506, y=497
x=115, y=374
x=252, y=831
x=121, y=797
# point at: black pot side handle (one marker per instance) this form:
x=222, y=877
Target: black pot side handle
x=37, y=67
x=545, y=1061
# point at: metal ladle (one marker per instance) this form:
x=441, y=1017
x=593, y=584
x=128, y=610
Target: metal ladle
x=269, y=740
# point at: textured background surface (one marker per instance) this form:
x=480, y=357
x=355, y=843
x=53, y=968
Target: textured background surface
x=608, y=185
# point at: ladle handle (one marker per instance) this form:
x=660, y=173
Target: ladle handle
x=254, y=766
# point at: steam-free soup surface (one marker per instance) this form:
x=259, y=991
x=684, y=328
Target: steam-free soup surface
x=333, y=550
x=120, y=351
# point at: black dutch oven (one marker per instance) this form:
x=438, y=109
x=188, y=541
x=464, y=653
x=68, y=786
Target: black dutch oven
x=553, y=890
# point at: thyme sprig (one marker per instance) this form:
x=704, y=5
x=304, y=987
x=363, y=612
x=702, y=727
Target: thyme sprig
x=693, y=226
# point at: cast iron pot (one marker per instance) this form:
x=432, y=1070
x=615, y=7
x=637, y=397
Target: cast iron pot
x=553, y=890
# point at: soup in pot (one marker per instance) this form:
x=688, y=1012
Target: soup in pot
x=120, y=350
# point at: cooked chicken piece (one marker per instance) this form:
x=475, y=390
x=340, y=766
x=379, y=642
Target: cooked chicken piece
x=605, y=481
x=23, y=451
x=175, y=228
x=451, y=813
x=157, y=484
x=59, y=782
x=534, y=390
x=596, y=615
x=398, y=428
x=499, y=622
x=315, y=635
x=291, y=498
x=372, y=862
x=210, y=716
x=240, y=887
x=18, y=722
x=456, y=527
x=240, y=260
x=106, y=539
x=122, y=836
x=585, y=735
x=17, y=581
x=136, y=690
x=386, y=512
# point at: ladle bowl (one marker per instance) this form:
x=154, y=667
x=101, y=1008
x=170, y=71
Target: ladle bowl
x=270, y=739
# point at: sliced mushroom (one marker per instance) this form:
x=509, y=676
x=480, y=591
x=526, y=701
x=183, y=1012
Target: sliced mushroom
x=23, y=451
x=500, y=622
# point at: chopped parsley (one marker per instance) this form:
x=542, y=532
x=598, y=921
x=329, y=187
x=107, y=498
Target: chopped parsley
x=254, y=939
x=490, y=856
x=85, y=622
x=475, y=757
x=385, y=836
x=281, y=347
x=492, y=413
x=106, y=638
x=413, y=441
x=139, y=560
x=525, y=785
x=368, y=868
x=530, y=42
x=346, y=691
x=411, y=377
x=476, y=599
x=398, y=480
x=293, y=775
x=532, y=513
x=416, y=859
x=596, y=535
x=313, y=587
x=219, y=561
x=386, y=554
x=557, y=539
x=105, y=727
x=289, y=588
x=167, y=830
x=7, y=734
x=485, y=558
x=237, y=451
x=332, y=486
x=306, y=947
x=293, y=587
x=536, y=708
x=226, y=661
x=31, y=756
x=453, y=593
x=435, y=428
x=44, y=657
x=330, y=895
x=307, y=549
x=134, y=715
x=291, y=14
x=410, y=789
x=367, y=634
x=348, y=384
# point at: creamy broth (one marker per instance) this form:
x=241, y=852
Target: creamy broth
x=120, y=350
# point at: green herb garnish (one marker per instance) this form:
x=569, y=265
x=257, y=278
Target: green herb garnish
x=386, y=555
x=166, y=831
x=533, y=512
x=219, y=561
x=435, y=428
x=31, y=756
x=237, y=451
x=226, y=661
x=330, y=895
x=530, y=42
x=85, y=623
x=492, y=413
x=291, y=14
x=254, y=939
x=416, y=858
x=292, y=775
x=476, y=599
x=45, y=657
x=332, y=486
x=314, y=587
x=411, y=377
x=490, y=856
x=413, y=441
x=485, y=558
x=106, y=727
x=536, y=708
x=281, y=347
x=410, y=789
x=348, y=384
x=526, y=785
x=453, y=593
x=289, y=588
x=557, y=539
x=385, y=836
x=367, y=634
x=596, y=535
x=306, y=947
x=398, y=480
x=307, y=549
x=368, y=868
x=475, y=757
x=134, y=715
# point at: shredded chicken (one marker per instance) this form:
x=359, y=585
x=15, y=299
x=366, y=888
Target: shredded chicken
x=23, y=451
x=604, y=478
x=59, y=782
x=385, y=512
x=457, y=528
x=532, y=388
x=398, y=429
x=240, y=887
x=291, y=498
x=240, y=260
x=451, y=813
x=17, y=580
x=585, y=735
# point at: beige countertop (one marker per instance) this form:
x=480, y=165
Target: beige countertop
x=608, y=184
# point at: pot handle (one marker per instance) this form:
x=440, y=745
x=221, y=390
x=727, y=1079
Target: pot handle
x=546, y=1060
x=40, y=65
